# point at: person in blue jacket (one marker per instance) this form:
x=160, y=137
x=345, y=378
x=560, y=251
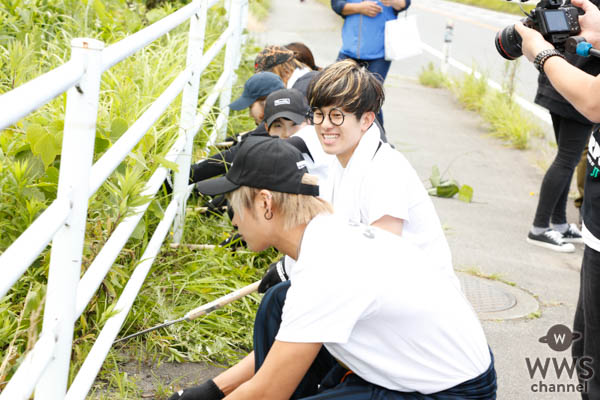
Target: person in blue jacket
x=363, y=32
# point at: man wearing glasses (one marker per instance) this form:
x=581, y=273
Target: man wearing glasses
x=370, y=182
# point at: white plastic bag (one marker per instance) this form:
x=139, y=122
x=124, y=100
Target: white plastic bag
x=402, y=38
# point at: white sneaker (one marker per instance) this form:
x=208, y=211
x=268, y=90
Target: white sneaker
x=552, y=240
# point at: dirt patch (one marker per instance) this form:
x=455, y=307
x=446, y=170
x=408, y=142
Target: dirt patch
x=155, y=381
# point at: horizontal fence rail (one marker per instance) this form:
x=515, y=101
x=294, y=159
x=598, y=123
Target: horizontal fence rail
x=46, y=367
x=126, y=47
x=32, y=242
x=38, y=92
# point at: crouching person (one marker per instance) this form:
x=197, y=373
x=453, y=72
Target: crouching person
x=365, y=315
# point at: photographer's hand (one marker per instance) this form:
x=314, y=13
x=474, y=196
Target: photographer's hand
x=589, y=22
x=533, y=41
x=579, y=88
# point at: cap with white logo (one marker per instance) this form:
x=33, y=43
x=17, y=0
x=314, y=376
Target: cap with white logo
x=286, y=103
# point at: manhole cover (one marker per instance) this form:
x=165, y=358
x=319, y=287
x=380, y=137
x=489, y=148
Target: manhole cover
x=484, y=296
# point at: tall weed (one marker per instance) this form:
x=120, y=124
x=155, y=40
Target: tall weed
x=471, y=91
x=433, y=77
x=506, y=120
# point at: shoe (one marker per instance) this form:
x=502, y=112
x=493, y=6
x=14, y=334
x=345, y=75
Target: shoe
x=552, y=240
x=572, y=235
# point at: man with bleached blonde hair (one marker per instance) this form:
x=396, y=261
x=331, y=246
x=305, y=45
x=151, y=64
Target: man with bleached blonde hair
x=395, y=330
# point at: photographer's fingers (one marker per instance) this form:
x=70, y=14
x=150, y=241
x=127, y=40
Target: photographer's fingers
x=583, y=4
x=533, y=42
x=590, y=21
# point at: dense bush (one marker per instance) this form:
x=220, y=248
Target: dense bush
x=35, y=37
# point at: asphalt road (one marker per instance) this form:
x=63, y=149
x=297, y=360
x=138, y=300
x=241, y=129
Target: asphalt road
x=473, y=41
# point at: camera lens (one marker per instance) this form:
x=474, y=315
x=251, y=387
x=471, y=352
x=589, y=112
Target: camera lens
x=508, y=43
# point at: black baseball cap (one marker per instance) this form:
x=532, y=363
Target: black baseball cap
x=263, y=163
x=258, y=85
x=286, y=103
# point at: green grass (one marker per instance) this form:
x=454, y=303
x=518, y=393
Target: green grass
x=432, y=77
x=506, y=119
x=471, y=91
x=498, y=5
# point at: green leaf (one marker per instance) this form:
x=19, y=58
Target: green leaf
x=435, y=176
x=51, y=175
x=118, y=127
x=46, y=149
x=101, y=144
x=140, y=229
x=34, y=193
x=34, y=134
x=166, y=163
x=156, y=210
x=465, y=193
x=133, y=21
x=447, y=189
x=155, y=14
x=101, y=12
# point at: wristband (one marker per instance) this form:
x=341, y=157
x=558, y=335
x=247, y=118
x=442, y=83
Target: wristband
x=543, y=56
x=281, y=271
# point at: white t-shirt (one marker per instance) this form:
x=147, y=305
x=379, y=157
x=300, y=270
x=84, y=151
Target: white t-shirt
x=297, y=74
x=371, y=298
x=320, y=162
x=379, y=181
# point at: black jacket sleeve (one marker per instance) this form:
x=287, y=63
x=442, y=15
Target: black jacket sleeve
x=217, y=164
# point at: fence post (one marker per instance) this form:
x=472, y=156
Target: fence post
x=232, y=58
x=67, y=246
x=189, y=105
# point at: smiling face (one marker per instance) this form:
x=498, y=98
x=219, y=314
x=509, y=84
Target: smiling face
x=342, y=140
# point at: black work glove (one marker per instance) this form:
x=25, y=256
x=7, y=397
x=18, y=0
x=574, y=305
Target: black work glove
x=207, y=391
x=233, y=242
x=217, y=205
x=274, y=275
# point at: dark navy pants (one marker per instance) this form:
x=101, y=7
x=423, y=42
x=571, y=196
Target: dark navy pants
x=323, y=379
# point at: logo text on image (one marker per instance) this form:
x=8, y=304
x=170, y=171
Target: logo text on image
x=560, y=338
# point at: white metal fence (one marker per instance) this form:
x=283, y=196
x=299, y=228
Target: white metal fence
x=46, y=366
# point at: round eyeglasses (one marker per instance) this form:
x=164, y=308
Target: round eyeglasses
x=336, y=116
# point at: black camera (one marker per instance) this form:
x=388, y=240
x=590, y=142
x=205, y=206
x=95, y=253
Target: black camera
x=555, y=20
